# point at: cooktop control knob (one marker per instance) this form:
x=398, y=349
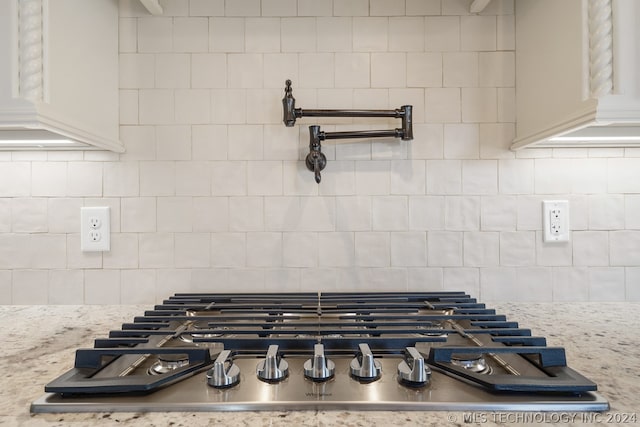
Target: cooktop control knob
x=412, y=371
x=273, y=368
x=319, y=368
x=224, y=372
x=364, y=367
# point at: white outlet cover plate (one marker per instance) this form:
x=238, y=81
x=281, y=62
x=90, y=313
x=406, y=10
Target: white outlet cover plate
x=555, y=221
x=88, y=216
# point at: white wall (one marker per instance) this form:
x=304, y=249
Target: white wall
x=212, y=194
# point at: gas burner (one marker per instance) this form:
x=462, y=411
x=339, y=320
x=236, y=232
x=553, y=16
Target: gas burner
x=475, y=363
x=433, y=330
x=168, y=362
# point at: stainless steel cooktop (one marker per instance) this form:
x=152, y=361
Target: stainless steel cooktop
x=371, y=351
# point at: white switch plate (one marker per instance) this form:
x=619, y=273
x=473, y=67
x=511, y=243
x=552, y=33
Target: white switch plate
x=95, y=229
x=555, y=220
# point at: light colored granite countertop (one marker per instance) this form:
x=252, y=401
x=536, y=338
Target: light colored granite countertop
x=38, y=344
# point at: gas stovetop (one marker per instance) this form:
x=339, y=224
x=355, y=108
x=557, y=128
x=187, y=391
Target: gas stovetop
x=364, y=351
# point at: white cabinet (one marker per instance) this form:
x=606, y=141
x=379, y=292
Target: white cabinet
x=59, y=73
x=577, y=73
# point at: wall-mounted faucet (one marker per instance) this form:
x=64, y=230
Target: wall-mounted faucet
x=316, y=160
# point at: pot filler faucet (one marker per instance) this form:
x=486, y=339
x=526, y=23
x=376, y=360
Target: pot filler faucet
x=316, y=160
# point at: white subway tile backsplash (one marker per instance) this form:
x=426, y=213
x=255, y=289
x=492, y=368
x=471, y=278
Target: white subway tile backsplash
x=208, y=70
x=172, y=70
x=193, y=178
x=29, y=215
x=66, y=287
x=353, y=213
x=47, y=179
x=127, y=35
x=136, y=70
x=424, y=69
x=210, y=214
x=515, y=176
x=175, y=214
x=63, y=215
x=315, y=7
x=157, y=178
x=121, y=179
x=550, y=254
x=481, y=249
x=590, y=248
x=496, y=69
x=192, y=250
x=264, y=178
x=462, y=213
x=138, y=286
x=279, y=7
x=632, y=276
x=424, y=279
x=632, y=211
x=156, y=107
x=389, y=70
x=226, y=34
x=479, y=176
x=351, y=8
x=336, y=249
x=206, y=7
x=478, y=33
x=244, y=70
x=155, y=34
x=479, y=105
x=461, y=141
x=299, y=249
x=625, y=248
x=316, y=70
x=386, y=8
x=370, y=34
x=5, y=215
x=606, y=212
x=422, y=7
x=390, y=213
x=606, y=284
x=444, y=248
x=138, y=214
x=372, y=249
x=409, y=249
x=517, y=248
x=246, y=213
x=442, y=33
x=406, y=34
x=245, y=142
x=102, y=287
x=192, y=106
x=262, y=35
x=444, y=176
x=212, y=192
x=15, y=179
x=30, y=287
x=228, y=249
x=352, y=70
x=190, y=34
x=460, y=69
x=499, y=213
x=298, y=35
x=426, y=212
x=123, y=252
x=242, y=7
x=535, y=284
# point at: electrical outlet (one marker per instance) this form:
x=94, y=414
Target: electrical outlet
x=95, y=229
x=555, y=221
